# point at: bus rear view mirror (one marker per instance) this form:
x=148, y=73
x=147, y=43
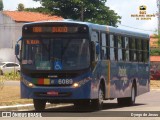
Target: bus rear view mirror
x=17, y=49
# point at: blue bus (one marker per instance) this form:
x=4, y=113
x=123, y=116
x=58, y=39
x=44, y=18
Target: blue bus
x=82, y=63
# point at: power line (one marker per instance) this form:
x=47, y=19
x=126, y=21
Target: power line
x=136, y=28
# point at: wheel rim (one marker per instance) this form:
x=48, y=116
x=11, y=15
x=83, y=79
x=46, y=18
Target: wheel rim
x=133, y=94
x=100, y=96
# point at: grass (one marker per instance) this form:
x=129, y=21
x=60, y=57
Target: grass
x=10, y=76
x=10, y=95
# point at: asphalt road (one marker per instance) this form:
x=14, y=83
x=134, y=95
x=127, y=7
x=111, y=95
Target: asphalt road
x=11, y=83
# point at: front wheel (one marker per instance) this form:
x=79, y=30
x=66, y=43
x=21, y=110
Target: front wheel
x=39, y=104
x=98, y=103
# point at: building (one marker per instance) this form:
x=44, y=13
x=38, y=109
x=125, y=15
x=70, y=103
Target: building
x=153, y=42
x=155, y=60
x=11, y=23
x=155, y=67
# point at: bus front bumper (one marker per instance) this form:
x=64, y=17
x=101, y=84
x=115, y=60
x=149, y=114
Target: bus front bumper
x=56, y=93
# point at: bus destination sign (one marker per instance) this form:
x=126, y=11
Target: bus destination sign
x=55, y=29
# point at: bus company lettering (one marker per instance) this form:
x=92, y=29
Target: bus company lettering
x=122, y=71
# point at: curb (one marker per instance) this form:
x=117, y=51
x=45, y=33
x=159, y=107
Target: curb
x=20, y=107
x=26, y=107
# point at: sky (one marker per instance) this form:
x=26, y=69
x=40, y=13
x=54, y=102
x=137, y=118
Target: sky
x=124, y=8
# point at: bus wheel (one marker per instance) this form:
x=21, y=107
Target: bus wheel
x=39, y=104
x=132, y=99
x=98, y=103
x=129, y=100
x=81, y=104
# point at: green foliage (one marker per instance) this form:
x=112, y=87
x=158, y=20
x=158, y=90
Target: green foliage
x=1, y=5
x=10, y=76
x=85, y=10
x=155, y=52
x=20, y=7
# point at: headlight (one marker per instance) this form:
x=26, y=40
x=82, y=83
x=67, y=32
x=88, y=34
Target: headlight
x=82, y=82
x=28, y=84
x=75, y=85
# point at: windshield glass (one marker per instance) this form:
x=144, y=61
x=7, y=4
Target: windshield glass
x=56, y=54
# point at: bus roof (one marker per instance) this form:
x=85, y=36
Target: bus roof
x=107, y=28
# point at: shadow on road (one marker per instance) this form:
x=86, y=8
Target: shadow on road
x=72, y=109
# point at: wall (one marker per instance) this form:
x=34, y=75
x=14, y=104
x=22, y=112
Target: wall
x=10, y=32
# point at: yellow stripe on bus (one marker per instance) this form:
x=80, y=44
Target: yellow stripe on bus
x=46, y=81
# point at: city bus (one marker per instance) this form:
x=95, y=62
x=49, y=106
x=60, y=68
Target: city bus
x=82, y=63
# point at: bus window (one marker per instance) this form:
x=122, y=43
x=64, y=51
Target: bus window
x=103, y=46
x=126, y=43
x=119, y=40
x=133, y=45
x=94, y=36
x=144, y=45
x=112, y=54
x=139, y=56
x=111, y=41
x=119, y=54
x=126, y=49
x=139, y=45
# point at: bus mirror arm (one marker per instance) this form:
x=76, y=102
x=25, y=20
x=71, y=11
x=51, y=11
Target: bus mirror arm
x=17, y=49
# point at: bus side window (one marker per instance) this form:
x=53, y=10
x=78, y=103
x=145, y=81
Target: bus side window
x=116, y=47
x=126, y=49
x=95, y=39
x=119, y=38
x=104, y=46
x=138, y=48
x=145, y=56
x=112, y=56
x=132, y=50
x=94, y=36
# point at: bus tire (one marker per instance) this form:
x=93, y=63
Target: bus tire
x=129, y=101
x=82, y=104
x=39, y=104
x=98, y=103
x=132, y=99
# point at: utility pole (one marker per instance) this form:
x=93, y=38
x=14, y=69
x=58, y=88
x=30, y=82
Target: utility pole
x=158, y=5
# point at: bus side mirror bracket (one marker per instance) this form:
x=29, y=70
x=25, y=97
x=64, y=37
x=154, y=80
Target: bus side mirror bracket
x=17, y=49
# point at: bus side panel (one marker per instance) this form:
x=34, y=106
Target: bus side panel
x=100, y=73
x=143, y=79
x=122, y=76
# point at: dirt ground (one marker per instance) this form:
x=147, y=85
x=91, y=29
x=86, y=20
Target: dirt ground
x=11, y=95
x=155, y=84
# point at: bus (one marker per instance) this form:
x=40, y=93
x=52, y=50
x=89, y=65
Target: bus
x=82, y=63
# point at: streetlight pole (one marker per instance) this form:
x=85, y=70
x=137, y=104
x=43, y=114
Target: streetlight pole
x=158, y=5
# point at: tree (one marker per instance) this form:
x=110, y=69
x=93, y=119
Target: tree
x=20, y=7
x=85, y=10
x=1, y=5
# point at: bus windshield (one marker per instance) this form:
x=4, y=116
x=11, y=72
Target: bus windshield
x=55, y=54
